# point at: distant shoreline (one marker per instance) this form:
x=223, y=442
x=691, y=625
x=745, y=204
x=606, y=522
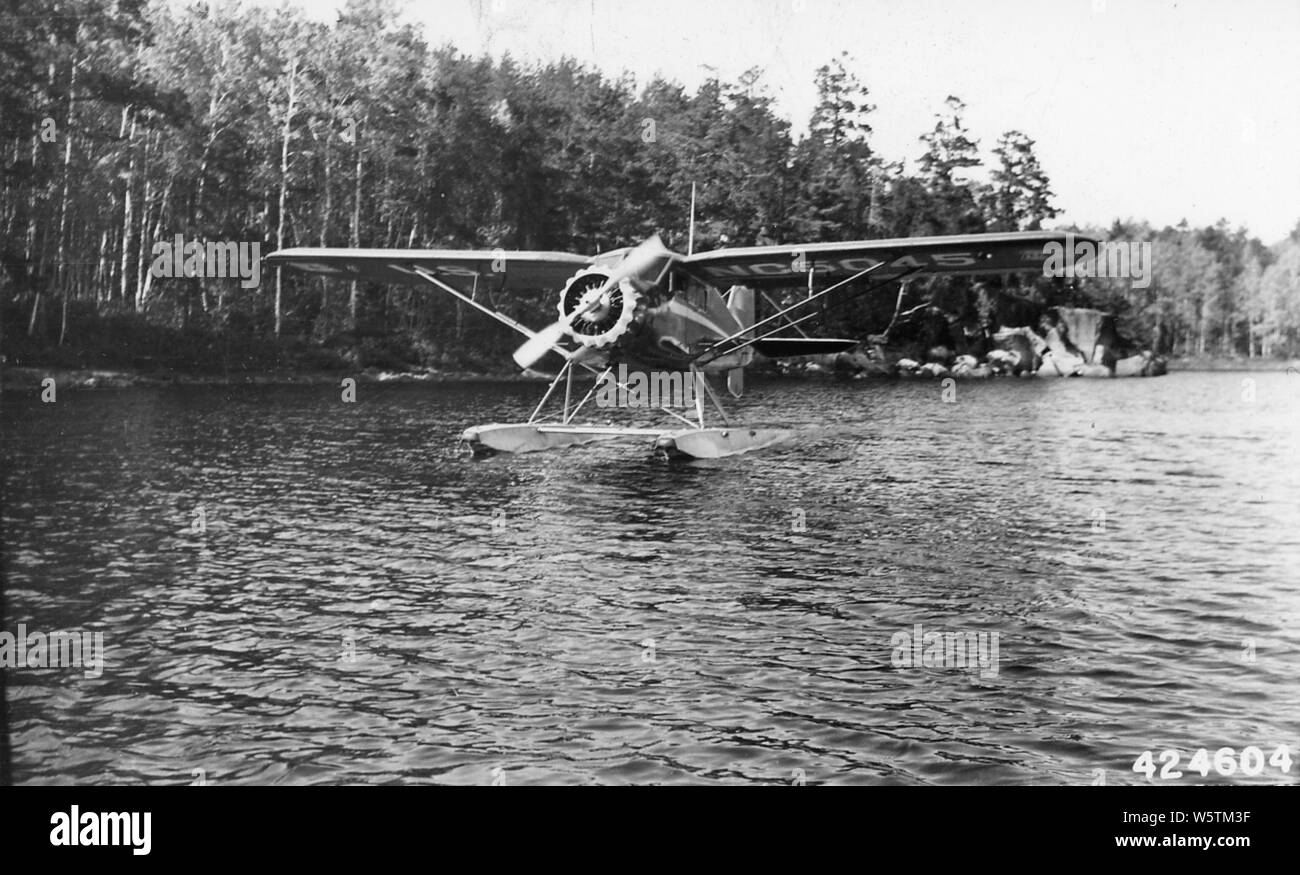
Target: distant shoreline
x=19, y=379
x=1211, y=363
x=29, y=378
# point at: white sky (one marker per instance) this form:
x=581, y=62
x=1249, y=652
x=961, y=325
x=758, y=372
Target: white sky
x=1155, y=109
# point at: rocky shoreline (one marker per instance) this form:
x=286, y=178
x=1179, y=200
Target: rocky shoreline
x=1068, y=342
x=28, y=379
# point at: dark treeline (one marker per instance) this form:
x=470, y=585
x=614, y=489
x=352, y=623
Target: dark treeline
x=127, y=123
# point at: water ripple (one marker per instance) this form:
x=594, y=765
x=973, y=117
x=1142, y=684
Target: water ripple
x=366, y=605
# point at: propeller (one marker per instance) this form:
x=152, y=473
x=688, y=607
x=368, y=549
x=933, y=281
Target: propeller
x=640, y=258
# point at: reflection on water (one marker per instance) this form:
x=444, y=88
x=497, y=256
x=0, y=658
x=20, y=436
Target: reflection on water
x=364, y=604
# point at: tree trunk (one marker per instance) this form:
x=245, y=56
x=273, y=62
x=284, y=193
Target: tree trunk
x=326, y=208
x=102, y=270
x=157, y=231
x=127, y=212
x=61, y=281
x=355, y=238
x=31, y=322
x=141, y=270
x=284, y=185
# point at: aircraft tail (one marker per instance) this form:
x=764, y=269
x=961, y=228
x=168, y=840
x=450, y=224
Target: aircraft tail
x=740, y=303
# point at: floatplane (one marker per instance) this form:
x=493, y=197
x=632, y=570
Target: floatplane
x=650, y=308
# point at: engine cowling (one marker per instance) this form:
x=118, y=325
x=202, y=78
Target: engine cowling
x=609, y=320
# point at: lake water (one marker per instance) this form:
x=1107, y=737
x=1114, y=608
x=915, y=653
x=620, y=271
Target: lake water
x=297, y=590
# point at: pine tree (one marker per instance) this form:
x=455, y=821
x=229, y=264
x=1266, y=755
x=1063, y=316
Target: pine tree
x=1019, y=195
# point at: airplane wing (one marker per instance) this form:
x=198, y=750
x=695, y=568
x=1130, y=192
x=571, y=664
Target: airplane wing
x=879, y=262
x=497, y=270
x=965, y=254
x=459, y=272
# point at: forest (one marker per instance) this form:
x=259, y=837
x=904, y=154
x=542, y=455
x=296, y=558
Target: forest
x=126, y=123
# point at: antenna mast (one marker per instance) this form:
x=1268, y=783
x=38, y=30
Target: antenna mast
x=690, y=235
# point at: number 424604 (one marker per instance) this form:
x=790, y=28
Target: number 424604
x=1225, y=761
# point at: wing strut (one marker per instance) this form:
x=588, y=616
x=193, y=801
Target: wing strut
x=776, y=306
x=760, y=323
x=714, y=351
x=428, y=277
